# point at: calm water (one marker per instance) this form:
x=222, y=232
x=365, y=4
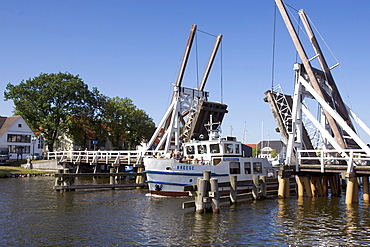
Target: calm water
x=33, y=214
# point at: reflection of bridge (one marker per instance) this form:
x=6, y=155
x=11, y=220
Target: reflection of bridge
x=322, y=141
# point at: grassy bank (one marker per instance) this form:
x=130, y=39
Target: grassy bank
x=9, y=171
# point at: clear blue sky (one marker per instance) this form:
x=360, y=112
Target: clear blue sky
x=134, y=48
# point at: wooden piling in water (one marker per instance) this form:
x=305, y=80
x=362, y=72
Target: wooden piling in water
x=233, y=189
x=255, y=187
x=263, y=186
x=350, y=188
x=307, y=186
x=112, y=178
x=300, y=189
x=325, y=185
x=365, y=188
x=281, y=189
x=215, y=203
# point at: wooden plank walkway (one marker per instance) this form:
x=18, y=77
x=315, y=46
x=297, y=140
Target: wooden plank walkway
x=99, y=186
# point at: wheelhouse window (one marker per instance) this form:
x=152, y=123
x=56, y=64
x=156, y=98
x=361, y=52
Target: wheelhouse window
x=247, y=167
x=215, y=148
x=237, y=149
x=257, y=167
x=228, y=148
x=202, y=149
x=190, y=150
x=234, y=167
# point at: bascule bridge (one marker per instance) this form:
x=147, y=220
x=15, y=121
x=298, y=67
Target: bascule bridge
x=323, y=145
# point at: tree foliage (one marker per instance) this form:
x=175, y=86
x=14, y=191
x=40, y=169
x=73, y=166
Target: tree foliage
x=273, y=153
x=48, y=101
x=125, y=122
x=55, y=104
x=255, y=151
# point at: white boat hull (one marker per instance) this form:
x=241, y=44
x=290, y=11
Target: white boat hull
x=167, y=177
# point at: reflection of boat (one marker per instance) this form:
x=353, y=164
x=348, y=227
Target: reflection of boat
x=222, y=156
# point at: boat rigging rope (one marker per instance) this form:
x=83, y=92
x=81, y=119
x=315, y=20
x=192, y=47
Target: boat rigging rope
x=273, y=51
x=221, y=82
x=220, y=62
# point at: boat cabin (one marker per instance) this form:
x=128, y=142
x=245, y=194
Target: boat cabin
x=211, y=149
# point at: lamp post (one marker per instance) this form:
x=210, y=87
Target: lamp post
x=33, y=139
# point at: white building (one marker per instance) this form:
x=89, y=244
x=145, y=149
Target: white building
x=18, y=137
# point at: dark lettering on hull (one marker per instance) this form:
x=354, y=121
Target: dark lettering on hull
x=185, y=168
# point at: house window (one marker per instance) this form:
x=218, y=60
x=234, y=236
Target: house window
x=19, y=149
x=234, y=168
x=19, y=138
x=19, y=125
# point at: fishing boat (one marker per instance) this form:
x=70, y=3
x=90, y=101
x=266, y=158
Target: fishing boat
x=167, y=176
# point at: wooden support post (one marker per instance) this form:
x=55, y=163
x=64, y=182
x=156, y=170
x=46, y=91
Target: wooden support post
x=350, y=187
x=307, y=186
x=112, y=178
x=300, y=189
x=365, y=188
x=263, y=186
x=207, y=176
x=355, y=191
x=287, y=187
x=319, y=186
x=312, y=186
x=139, y=178
x=66, y=181
x=202, y=196
x=333, y=185
x=255, y=187
x=281, y=189
x=325, y=185
x=215, y=195
x=59, y=180
x=233, y=189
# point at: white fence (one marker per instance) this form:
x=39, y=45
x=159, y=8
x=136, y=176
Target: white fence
x=93, y=157
x=352, y=157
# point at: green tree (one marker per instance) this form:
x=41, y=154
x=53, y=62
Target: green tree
x=255, y=151
x=125, y=122
x=48, y=103
x=90, y=120
x=141, y=127
x=273, y=153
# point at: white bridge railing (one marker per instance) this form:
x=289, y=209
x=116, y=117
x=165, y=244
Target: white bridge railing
x=108, y=157
x=352, y=157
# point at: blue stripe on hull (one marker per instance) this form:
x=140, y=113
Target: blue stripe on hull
x=184, y=173
x=159, y=182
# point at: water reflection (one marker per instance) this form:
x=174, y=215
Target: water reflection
x=35, y=215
